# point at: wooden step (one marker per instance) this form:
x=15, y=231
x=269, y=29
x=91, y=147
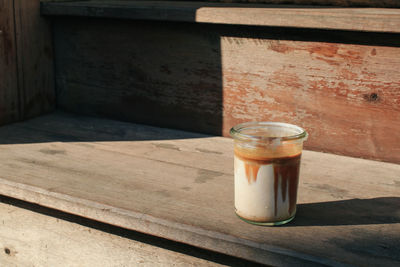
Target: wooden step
x=179, y=186
x=355, y=19
x=32, y=235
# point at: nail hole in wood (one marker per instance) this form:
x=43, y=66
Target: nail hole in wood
x=373, y=97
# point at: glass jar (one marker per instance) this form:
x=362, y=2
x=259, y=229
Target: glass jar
x=267, y=165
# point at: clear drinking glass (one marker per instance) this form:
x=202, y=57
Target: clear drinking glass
x=267, y=164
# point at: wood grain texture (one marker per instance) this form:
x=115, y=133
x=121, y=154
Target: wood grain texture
x=346, y=96
x=28, y=238
x=35, y=60
x=164, y=74
x=9, y=109
x=181, y=188
x=380, y=20
x=344, y=88
x=376, y=20
x=341, y=3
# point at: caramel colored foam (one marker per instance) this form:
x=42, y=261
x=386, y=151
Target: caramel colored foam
x=261, y=153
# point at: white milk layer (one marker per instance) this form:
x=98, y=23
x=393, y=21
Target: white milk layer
x=255, y=200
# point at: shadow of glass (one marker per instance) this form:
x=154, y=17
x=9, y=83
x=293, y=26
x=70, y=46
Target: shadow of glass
x=378, y=247
x=383, y=210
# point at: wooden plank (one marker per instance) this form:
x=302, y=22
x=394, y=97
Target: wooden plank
x=346, y=95
x=342, y=87
x=35, y=59
x=8, y=65
x=354, y=19
x=360, y=19
x=29, y=238
x=181, y=188
x=164, y=74
x=341, y=3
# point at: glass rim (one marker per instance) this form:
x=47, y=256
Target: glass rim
x=235, y=131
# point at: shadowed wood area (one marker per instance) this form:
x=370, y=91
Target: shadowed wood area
x=26, y=62
x=178, y=185
x=9, y=105
x=35, y=59
x=381, y=20
x=163, y=74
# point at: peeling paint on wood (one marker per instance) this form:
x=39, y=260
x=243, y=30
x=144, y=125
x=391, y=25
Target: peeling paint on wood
x=346, y=96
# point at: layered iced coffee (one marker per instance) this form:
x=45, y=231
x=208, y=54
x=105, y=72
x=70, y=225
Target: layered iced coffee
x=267, y=164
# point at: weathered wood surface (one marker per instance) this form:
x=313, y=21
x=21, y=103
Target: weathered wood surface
x=8, y=65
x=28, y=238
x=381, y=20
x=344, y=88
x=35, y=59
x=179, y=186
x=346, y=96
x=341, y=3
x=166, y=75
x=26, y=67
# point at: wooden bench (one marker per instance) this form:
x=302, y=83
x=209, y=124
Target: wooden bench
x=80, y=189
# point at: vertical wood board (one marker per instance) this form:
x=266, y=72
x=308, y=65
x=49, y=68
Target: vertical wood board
x=35, y=59
x=8, y=64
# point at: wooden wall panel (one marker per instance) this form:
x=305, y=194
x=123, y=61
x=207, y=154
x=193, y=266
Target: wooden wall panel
x=343, y=87
x=167, y=74
x=35, y=59
x=8, y=65
x=347, y=96
x=26, y=61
